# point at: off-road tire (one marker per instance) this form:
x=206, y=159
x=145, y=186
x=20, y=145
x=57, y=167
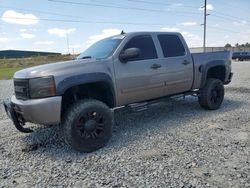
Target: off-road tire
x=212, y=94
x=81, y=118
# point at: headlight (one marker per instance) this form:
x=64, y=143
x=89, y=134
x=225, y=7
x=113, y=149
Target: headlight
x=42, y=87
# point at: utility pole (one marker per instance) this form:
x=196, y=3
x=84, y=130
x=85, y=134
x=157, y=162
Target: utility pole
x=67, y=38
x=205, y=26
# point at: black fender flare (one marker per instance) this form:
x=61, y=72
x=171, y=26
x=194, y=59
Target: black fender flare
x=204, y=70
x=88, y=78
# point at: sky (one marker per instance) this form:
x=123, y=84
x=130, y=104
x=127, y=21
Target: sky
x=73, y=25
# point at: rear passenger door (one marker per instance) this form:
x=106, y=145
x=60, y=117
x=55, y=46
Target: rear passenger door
x=177, y=62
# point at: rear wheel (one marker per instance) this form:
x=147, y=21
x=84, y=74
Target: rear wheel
x=212, y=95
x=88, y=125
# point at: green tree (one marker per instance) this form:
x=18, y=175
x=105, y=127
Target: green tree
x=228, y=45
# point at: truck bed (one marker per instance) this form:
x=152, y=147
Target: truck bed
x=204, y=59
x=211, y=56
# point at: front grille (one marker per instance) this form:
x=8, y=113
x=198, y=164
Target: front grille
x=21, y=88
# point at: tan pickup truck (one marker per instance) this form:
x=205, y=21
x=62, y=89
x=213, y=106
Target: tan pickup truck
x=131, y=68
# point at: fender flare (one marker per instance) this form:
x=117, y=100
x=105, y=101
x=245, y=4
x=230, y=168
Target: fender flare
x=89, y=78
x=204, y=70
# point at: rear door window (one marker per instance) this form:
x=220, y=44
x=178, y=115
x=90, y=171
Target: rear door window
x=171, y=45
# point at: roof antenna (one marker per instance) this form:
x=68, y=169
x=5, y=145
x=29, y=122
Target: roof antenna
x=122, y=33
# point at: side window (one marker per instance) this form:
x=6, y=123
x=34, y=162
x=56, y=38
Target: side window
x=146, y=46
x=171, y=45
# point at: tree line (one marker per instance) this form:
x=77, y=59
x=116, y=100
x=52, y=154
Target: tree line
x=238, y=45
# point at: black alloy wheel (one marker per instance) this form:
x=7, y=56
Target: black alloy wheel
x=88, y=125
x=212, y=94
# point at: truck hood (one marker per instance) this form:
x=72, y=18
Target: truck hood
x=56, y=69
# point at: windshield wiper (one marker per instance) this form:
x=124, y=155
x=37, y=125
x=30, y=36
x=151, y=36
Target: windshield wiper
x=85, y=57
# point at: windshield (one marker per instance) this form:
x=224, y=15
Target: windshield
x=101, y=49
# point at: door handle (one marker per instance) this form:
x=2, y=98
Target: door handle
x=155, y=66
x=185, y=62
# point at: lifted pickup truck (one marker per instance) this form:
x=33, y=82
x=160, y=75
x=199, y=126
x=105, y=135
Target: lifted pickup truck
x=126, y=69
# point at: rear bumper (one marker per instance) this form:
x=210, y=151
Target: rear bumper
x=40, y=111
x=229, y=78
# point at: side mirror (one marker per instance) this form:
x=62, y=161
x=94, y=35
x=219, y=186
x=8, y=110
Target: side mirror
x=129, y=54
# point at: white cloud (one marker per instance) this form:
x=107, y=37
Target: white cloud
x=189, y=23
x=192, y=40
x=61, y=32
x=6, y=39
x=23, y=30
x=170, y=29
x=187, y=34
x=240, y=23
x=209, y=7
x=11, y=16
x=44, y=42
x=75, y=46
x=105, y=33
x=27, y=35
x=173, y=6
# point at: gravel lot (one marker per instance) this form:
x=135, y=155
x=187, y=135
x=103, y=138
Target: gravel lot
x=172, y=144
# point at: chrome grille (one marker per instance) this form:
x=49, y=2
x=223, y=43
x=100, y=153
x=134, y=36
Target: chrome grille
x=21, y=88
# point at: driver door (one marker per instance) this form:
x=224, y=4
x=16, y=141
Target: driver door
x=140, y=78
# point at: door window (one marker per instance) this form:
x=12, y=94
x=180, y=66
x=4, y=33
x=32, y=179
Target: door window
x=171, y=45
x=146, y=46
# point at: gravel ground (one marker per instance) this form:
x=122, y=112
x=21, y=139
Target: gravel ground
x=172, y=144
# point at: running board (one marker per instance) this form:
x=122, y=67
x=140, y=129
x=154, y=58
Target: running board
x=138, y=106
x=145, y=105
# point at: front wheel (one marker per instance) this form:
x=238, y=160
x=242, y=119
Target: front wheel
x=88, y=125
x=212, y=95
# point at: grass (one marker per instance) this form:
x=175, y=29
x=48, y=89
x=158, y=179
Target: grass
x=7, y=73
x=9, y=66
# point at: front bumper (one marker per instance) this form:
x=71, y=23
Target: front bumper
x=40, y=111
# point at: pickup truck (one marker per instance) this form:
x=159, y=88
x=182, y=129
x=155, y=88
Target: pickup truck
x=241, y=56
x=81, y=95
